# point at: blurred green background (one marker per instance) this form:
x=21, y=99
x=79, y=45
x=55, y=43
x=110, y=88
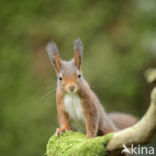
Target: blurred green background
x=119, y=40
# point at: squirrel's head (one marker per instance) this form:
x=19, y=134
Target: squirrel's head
x=68, y=72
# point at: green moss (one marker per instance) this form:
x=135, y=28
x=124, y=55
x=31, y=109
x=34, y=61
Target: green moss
x=77, y=144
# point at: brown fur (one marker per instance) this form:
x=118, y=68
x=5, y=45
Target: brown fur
x=62, y=114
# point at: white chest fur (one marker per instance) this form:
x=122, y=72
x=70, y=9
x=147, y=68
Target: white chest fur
x=74, y=109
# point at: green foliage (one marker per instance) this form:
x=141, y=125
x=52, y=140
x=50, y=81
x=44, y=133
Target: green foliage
x=77, y=144
x=119, y=45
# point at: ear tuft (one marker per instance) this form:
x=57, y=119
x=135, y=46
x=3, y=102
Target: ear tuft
x=52, y=49
x=78, y=46
x=78, y=49
x=53, y=54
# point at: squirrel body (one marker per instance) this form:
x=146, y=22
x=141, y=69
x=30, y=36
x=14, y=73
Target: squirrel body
x=77, y=105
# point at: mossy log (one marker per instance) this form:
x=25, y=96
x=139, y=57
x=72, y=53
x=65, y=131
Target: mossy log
x=77, y=144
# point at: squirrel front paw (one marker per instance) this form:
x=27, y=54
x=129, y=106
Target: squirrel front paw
x=61, y=130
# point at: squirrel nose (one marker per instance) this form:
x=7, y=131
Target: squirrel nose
x=72, y=88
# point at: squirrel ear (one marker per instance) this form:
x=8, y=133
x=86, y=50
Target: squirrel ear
x=53, y=54
x=78, y=50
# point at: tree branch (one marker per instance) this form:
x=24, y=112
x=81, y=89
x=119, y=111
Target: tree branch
x=140, y=133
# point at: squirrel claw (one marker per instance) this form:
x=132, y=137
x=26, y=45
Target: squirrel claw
x=60, y=131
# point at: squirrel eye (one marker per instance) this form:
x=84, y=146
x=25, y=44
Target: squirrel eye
x=60, y=78
x=79, y=75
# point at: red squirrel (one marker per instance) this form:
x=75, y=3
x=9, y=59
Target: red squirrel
x=77, y=105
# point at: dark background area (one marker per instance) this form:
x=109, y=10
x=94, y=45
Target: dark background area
x=119, y=40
